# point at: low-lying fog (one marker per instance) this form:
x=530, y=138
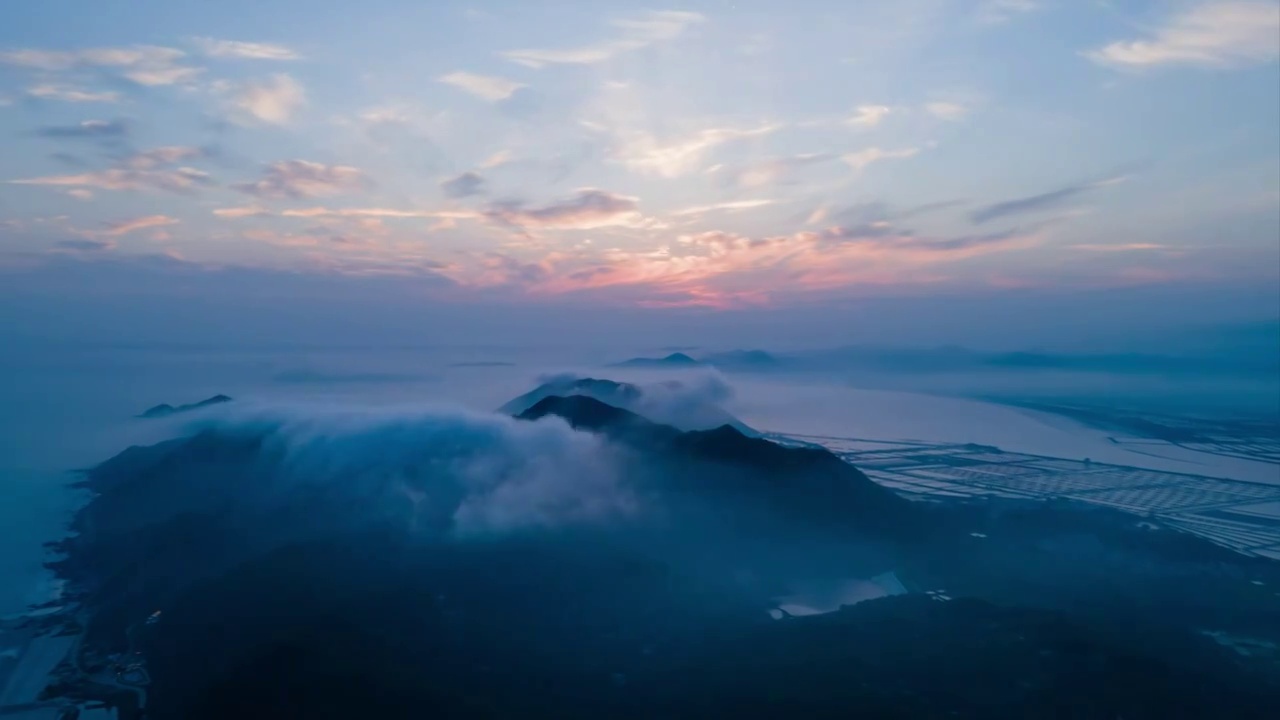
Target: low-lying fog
x=64, y=410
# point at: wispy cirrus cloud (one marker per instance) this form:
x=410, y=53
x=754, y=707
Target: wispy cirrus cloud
x=488, y=87
x=148, y=170
x=498, y=159
x=587, y=209
x=387, y=213
x=634, y=34
x=1037, y=203
x=165, y=155
x=867, y=116
x=861, y=159
x=295, y=179
x=719, y=269
x=125, y=227
x=997, y=12
x=236, y=213
x=181, y=180
x=240, y=50
x=322, y=213
x=728, y=206
x=272, y=100
x=86, y=129
x=1211, y=34
x=778, y=169
x=642, y=152
x=69, y=93
x=84, y=245
x=1118, y=247
x=149, y=65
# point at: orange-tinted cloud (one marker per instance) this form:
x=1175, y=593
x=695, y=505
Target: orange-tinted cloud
x=719, y=269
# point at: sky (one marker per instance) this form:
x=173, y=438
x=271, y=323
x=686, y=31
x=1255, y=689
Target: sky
x=918, y=169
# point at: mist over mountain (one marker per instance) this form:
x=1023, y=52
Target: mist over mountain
x=692, y=402
x=334, y=560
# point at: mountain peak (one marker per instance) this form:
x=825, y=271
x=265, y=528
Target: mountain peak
x=583, y=412
x=165, y=409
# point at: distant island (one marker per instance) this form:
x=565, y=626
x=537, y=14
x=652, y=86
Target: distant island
x=731, y=360
x=676, y=359
x=952, y=359
x=165, y=409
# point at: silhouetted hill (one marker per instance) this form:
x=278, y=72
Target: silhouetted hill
x=608, y=391
x=165, y=410
x=686, y=406
x=312, y=567
x=587, y=413
x=674, y=360
x=802, y=482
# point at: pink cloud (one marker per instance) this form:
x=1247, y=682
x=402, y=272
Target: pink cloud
x=150, y=221
x=721, y=269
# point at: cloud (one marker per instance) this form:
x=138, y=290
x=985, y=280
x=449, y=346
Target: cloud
x=498, y=159
x=320, y=212
x=587, y=209
x=861, y=159
x=127, y=226
x=166, y=155
x=273, y=100
x=1119, y=247
x=149, y=65
x=85, y=245
x=996, y=12
x=145, y=170
x=304, y=179
x=483, y=86
x=67, y=93
x=1037, y=203
x=464, y=185
x=93, y=129
x=182, y=180
x=873, y=212
x=235, y=213
x=946, y=110
x=367, y=219
x=869, y=115
x=724, y=206
x=244, y=50
x=80, y=193
x=641, y=152
x=635, y=34
x=777, y=170
x=1213, y=34
x=721, y=269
